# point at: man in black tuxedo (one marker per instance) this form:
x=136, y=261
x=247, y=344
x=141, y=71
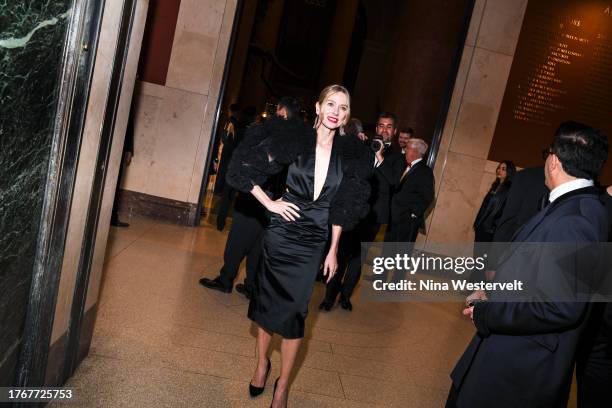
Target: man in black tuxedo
x=387, y=164
x=413, y=194
x=523, y=352
x=249, y=221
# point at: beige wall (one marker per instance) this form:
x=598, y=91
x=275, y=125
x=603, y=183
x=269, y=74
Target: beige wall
x=462, y=171
x=173, y=123
x=89, y=150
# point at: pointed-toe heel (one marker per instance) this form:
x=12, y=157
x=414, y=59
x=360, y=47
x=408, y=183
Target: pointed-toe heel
x=255, y=391
x=274, y=393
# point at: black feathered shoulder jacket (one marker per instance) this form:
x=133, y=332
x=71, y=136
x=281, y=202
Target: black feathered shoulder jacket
x=267, y=148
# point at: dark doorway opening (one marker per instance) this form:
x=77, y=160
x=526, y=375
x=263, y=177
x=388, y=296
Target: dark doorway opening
x=398, y=56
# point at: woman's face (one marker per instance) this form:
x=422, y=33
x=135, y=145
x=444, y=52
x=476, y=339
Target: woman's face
x=333, y=113
x=501, y=171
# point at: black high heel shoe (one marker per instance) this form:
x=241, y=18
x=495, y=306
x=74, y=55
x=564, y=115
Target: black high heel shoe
x=255, y=391
x=274, y=393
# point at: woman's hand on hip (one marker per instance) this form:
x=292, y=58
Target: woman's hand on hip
x=288, y=211
x=330, y=266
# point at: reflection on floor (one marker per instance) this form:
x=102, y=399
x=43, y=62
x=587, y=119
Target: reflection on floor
x=162, y=340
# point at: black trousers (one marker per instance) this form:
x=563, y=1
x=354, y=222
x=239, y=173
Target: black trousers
x=594, y=362
x=227, y=196
x=244, y=239
x=594, y=378
x=350, y=258
x=399, y=239
x=115, y=211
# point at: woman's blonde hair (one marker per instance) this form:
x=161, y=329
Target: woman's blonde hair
x=326, y=93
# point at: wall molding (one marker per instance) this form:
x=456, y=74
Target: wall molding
x=160, y=208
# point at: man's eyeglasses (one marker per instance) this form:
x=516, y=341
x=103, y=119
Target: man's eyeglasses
x=383, y=126
x=547, y=152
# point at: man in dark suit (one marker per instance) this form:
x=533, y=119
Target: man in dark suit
x=231, y=138
x=387, y=164
x=249, y=221
x=414, y=193
x=523, y=352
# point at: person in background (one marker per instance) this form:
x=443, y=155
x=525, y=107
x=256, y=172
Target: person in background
x=355, y=128
x=126, y=159
x=405, y=134
x=349, y=249
x=250, y=219
x=533, y=336
x=387, y=164
x=232, y=139
x=490, y=212
x=413, y=194
x=226, y=143
x=494, y=202
x=528, y=194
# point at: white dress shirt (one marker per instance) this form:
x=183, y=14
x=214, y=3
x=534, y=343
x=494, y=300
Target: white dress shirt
x=569, y=186
x=411, y=165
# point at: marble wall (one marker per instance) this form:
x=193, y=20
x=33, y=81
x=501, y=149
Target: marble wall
x=32, y=35
x=89, y=148
x=173, y=123
x=462, y=171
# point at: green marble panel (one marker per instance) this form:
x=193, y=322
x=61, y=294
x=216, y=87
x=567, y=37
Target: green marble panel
x=32, y=36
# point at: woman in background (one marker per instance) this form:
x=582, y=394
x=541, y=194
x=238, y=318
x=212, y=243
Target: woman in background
x=491, y=210
x=494, y=202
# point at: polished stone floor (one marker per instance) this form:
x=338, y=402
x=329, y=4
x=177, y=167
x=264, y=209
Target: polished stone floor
x=163, y=340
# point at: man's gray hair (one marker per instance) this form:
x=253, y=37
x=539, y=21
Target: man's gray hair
x=419, y=144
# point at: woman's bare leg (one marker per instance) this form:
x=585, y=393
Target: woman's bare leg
x=263, y=343
x=289, y=350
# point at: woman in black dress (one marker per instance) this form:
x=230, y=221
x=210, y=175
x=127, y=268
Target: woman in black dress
x=491, y=210
x=494, y=202
x=326, y=184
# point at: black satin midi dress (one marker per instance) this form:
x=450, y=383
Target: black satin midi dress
x=293, y=250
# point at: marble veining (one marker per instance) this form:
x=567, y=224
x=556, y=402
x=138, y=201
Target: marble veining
x=32, y=36
x=23, y=41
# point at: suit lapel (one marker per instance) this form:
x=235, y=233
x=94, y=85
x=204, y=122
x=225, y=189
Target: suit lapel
x=529, y=226
x=403, y=180
x=520, y=235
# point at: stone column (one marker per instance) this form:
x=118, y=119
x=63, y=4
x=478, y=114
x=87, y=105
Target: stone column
x=462, y=171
